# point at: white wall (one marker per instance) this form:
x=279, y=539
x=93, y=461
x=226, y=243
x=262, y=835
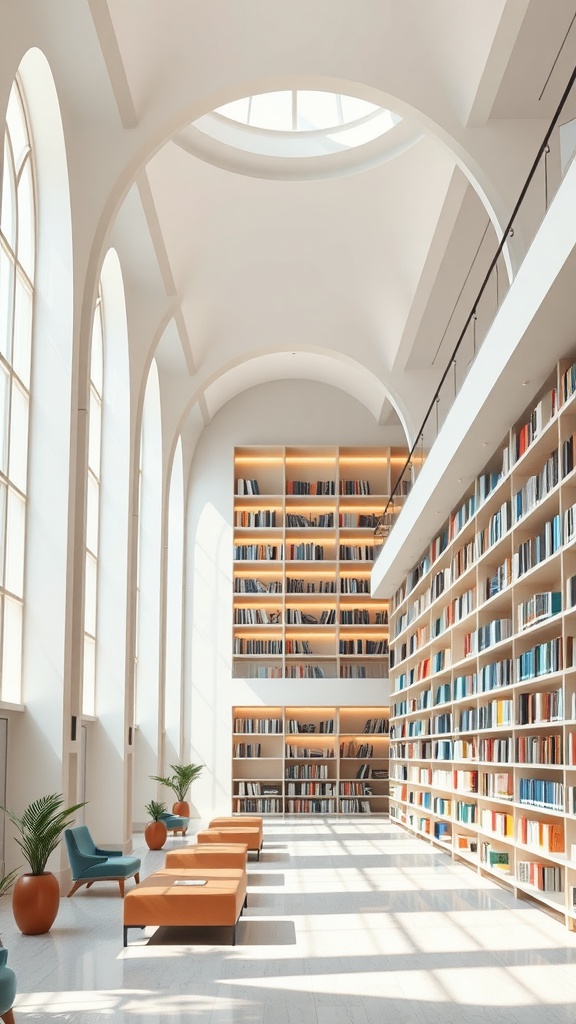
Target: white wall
x=287, y=413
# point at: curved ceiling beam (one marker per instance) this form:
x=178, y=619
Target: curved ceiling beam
x=321, y=365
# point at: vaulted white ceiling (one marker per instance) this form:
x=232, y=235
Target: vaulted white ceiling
x=344, y=268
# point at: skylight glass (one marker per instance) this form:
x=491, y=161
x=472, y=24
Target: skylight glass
x=297, y=123
x=300, y=110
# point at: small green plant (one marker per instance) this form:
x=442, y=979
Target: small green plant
x=7, y=881
x=183, y=777
x=41, y=827
x=155, y=810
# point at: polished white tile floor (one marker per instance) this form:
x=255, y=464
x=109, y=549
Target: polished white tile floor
x=350, y=921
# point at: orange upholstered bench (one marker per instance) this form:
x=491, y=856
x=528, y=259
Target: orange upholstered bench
x=240, y=821
x=241, y=834
x=165, y=899
x=210, y=855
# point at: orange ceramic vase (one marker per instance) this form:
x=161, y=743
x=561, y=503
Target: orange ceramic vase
x=155, y=835
x=181, y=808
x=35, y=902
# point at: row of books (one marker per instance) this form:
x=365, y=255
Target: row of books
x=361, y=671
x=310, y=789
x=542, y=659
x=354, y=487
x=532, y=708
x=261, y=518
x=361, y=646
x=486, y=636
x=541, y=793
x=324, y=726
x=542, y=413
x=307, y=771
x=295, y=520
x=305, y=552
x=538, y=548
x=540, y=749
x=258, y=552
x=245, y=585
x=442, y=723
x=540, y=707
x=545, y=834
x=536, y=487
x=354, y=749
x=296, y=617
x=260, y=805
x=258, y=725
x=292, y=750
x=538, y=607
x=256, y=617
x=247, y=486
x=351, y=520
x=498, y=785
x=415, y=642
x=303, y=586
x=242, y=646
x=544, y=877
x=376, y=725
x=298, y=647
x=500, y=579
x=356, y=552
x=458, y=609
x=250, y=788
x=310, y=487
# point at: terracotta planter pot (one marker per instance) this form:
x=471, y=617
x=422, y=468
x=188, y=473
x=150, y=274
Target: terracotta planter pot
x=181, y=807
x=155, y=835
x=35, y=902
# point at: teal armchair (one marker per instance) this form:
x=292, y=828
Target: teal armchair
x=175, y=823
x=90, y=864
x=7, y=988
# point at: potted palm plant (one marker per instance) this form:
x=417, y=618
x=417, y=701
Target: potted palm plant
x=179, y=782
x=155, y=832
x=36, y=894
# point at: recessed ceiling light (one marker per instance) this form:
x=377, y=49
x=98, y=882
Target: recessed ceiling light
x=524, y=383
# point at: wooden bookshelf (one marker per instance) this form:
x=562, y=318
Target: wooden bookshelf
x=310, y=760
x=304, y=548
x=483, y=666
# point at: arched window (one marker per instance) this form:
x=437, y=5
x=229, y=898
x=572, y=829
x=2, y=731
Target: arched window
x=173, y=697
x=93, y=507
x=17, y=259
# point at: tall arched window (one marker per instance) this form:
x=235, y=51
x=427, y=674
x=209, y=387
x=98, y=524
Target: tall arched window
x=17, y=258
x=93, y=507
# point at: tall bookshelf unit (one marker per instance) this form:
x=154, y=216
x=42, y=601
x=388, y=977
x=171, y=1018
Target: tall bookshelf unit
x=483, y=666
x=304, y=547
x=310, y=760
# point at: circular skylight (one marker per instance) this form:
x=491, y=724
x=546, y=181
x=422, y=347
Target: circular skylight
x=297, y=122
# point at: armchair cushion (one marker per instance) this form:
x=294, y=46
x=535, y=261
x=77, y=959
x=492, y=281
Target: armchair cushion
x=174, y=822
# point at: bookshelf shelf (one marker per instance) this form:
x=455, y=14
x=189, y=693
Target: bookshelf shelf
x=494, y=592
x=306, y=765
x=304, y=523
